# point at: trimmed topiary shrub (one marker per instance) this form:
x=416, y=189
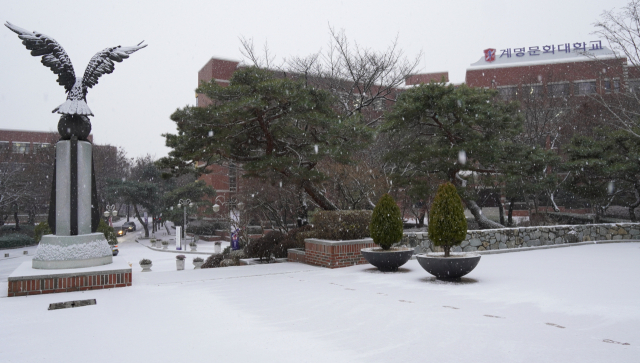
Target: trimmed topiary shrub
x=386, y=223
x=108, y=232
x=41, y=229
x=341, y=224
x=447, y=223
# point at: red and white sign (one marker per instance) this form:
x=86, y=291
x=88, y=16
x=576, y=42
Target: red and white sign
x=489, y=55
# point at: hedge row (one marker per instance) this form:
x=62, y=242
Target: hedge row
x=16, y=240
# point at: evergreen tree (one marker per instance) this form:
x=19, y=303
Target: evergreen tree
x=276, y=128
x=198, y=192
x=605, y=169
x=386, y=223
x=447, y=223
x=450, y=133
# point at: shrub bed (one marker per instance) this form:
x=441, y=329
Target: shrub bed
x=25, y=229
x=16, y=240
x=342, y=224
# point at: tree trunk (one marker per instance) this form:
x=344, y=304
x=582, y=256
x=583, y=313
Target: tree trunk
x=423, y=213
x=447, y=251
x=501, y=211
x=484, y=222
x=144, y=225
x=512, y=202
x=15, y=216
x=317, y=196
x=632, y=207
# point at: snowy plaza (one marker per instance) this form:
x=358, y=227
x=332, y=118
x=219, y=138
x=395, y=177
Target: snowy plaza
x=575, y=304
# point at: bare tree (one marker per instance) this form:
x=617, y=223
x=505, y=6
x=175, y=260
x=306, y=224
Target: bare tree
x=621, y=29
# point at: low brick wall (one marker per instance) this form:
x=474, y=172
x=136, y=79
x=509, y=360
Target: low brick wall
x=35, y=285
x=295, y=255
x=334, y=254
x=26, y=280
x=505, y=238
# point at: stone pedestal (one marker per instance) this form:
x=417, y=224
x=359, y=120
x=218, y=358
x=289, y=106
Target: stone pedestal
x=73, y=245
x=63, y=252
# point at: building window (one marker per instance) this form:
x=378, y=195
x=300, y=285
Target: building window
x=20, y=147
x=558, y=89
x=378, y=104
x=584, y=88
x=40, y=146
x=4, y=146
x=532, y=90
x=634, y=85
x=507, y=93
x=611, y=85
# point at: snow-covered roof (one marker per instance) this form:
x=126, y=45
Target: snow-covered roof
x=504, y=61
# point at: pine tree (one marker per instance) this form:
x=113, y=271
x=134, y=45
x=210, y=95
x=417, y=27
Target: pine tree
x=275, y=127
x=432, y=125
x=386, y=223
x=447, y=223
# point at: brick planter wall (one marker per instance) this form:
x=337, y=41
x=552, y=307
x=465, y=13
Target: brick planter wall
x=334, y=254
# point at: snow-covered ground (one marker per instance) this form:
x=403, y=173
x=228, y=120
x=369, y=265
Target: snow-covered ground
x=577, y=304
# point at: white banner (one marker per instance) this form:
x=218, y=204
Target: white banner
x=178, y=234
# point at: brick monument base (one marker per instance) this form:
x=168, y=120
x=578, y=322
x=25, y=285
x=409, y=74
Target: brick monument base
x=26, y=280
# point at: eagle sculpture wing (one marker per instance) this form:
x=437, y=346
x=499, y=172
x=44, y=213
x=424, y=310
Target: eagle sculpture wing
x=53, y=55
x=102, y=63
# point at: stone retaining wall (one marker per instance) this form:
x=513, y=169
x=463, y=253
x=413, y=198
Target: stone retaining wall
x=504, y=238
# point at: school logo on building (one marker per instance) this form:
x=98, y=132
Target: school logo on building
x=489, y=55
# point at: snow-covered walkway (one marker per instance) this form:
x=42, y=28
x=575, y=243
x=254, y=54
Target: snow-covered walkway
x=577, y=304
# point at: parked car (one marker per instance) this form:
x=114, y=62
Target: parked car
x=120, y=231
x=114, y=250
x=130, y=226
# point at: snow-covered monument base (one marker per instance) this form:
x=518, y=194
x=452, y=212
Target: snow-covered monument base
x=74, y=258
x=73, y=245
x=62, y=252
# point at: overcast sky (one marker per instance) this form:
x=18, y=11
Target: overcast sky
x=132, y=106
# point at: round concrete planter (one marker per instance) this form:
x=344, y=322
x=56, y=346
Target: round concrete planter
x=389, y=260
x=197, y=265
x=180, y=264
x=164, y=247
x=146, y=268
x=193, y=248
x=453, y=267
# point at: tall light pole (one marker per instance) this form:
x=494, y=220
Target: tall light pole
x=110, y=212
x=184, y=203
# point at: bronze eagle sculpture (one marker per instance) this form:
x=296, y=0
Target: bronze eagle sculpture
x=74, y=110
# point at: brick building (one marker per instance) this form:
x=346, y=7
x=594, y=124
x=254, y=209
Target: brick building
x=563, y=70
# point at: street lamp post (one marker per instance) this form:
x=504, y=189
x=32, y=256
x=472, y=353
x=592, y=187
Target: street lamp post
x=110, y=212
x=184, y=203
